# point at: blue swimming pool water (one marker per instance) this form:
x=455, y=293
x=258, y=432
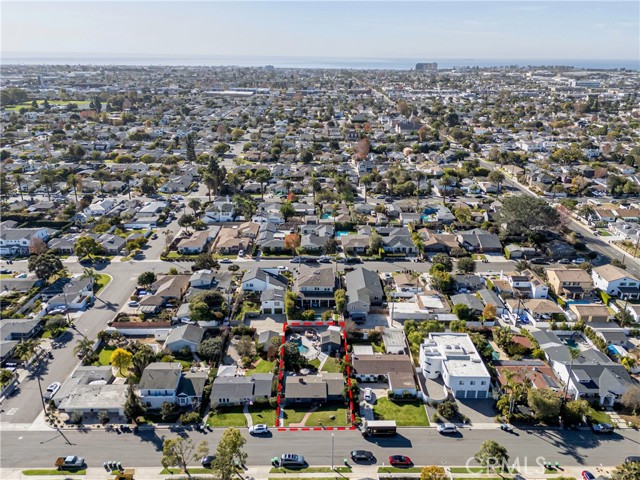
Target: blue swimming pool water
x=570, y=342
x=303, y=349
x=325, y=215
x=340, y=233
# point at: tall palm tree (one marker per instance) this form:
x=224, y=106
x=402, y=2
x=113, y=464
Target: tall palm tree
x=47, y=178
x=19, y=179
x=27, y=348
x=419, y=176
x=573, y=354
x=84, y=347
x=127, y=176
x=74, y=181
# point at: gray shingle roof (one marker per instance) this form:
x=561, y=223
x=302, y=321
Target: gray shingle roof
x=160, y=376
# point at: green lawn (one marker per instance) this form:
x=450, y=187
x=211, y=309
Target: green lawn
x=6, y=275
x=399, y=470
x=599, y=417
x=104, y=356
x=192, y=470
x=261, y=367
x=475, y=469
x=331, y=366
x=311, y=470
x=322, y=417
x=603, y=232
x=315, y=363
x=247, y=307
x=405, y=414
x=233, y=416
x=52, y=471
x=101, y=282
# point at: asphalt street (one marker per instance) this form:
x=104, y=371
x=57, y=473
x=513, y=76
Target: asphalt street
x=424, y=446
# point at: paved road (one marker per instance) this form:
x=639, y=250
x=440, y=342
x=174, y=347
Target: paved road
x=424, y=446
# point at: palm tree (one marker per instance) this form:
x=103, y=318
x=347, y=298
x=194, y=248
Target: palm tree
x=90, y=273
x=127, y=176
x=27, y=348
x=262, y=176
x=419, y=176
x=47, y=178
x=19, y=179
x=210, y=182
x=573, y=353
x=498, y=177
x=194, y=204
x=315, y=185
x=74, y=181
x=83, y=348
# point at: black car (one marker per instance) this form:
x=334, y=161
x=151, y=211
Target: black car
x=350, y=260
x=207, y=461
x=362, y=456
x=602, y=428
x=540, y=261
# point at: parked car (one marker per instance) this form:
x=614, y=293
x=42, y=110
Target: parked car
x=539, y=261
x=207, y=461
x=349, y=269
x=564, y=261
x=368, y=395
x=446, y=428
x=602, y=428
x=579, y=260
x=70, y=462
x=353, y=260
x=282, y=268
x=259, y=429
x=296, y=260
x=292, y=460
x=241, y=253
x=324, y=260
x=224, y=260
x=133, y=304
x=51, y=390
x=362, y=456
x=587, y=475
x=5, y=271
x=400, y=461
x=632, y=459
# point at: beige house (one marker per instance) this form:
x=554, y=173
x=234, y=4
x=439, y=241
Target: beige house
x=573, y=283
x=591, y=312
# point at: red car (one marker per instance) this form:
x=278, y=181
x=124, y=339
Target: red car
x=587, y=475
x=400, y=461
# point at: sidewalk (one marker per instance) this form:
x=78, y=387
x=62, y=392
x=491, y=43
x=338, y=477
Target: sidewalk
x=263, y=473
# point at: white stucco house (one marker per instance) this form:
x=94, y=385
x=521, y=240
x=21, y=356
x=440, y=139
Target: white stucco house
x=616, y=281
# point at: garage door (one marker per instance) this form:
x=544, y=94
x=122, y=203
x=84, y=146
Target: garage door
x=461, y=393
x=266, y=311
x=471, y=394
x=277, y=311
x=483, y=394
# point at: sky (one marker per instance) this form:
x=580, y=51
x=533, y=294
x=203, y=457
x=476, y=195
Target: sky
x=392, y=29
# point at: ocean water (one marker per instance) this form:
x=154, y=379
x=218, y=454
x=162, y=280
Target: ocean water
x=8, y=58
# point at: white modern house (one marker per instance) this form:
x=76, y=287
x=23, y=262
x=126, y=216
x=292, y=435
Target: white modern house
x=454, y=357
x=616, y=281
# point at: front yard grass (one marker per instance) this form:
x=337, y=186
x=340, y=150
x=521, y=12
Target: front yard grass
x=104, y=357
x=399, y=470
x=263, y=414
x=406, y=414
x=599, y=417
x=322, y=417
x=233, y=416
x=310, y=470
x=101, y=282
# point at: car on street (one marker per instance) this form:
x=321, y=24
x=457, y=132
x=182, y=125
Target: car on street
x=400, y=461
x=602, y=428
x=587, y=475
x=133, y=304
x=224, y=260
x=579, y=260
x=362, y=456
x=324, y=260
x=296, y=260
x=540, y=261
x=368, y=395
x=207, y=461
x=52, y=389
x=564, y=261
x=446, y=428
x=5, y=271
x=259, y=429
x=291, y=460
x=282, y=268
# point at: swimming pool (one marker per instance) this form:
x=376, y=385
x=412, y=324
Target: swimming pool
x=325, y=215
x=303, y=349
x=570, y=342
x=341, y=233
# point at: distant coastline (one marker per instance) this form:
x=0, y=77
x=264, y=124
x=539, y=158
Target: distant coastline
x=9, y=58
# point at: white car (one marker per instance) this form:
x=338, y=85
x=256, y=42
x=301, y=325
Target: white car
x=51, y=390
x=259, y=429
x=447, y=428
x=368, y=395
x=282, y=268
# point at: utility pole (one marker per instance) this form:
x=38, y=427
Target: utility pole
x=332, y=450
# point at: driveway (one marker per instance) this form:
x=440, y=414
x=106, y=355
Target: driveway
x=478, y=411
x=379, y=390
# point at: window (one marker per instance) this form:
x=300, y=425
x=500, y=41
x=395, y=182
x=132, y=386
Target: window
x=472, y=382
x=461, y=382
x=483, y=382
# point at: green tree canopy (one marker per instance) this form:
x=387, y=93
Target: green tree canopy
x=523, y=214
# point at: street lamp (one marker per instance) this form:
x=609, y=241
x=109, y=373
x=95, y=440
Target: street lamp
x=332, y=449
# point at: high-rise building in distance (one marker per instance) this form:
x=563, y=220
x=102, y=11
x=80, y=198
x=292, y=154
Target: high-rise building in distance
x=426, y=67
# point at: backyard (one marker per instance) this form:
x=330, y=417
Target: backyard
x=406, y=414
x=331, y=366
x=321, y=417
x=263, y=366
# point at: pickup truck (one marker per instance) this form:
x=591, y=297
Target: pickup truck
x=70, y=462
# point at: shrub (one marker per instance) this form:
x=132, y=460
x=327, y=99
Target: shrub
x=76, y=418
x=190, y=418
x=448, y=410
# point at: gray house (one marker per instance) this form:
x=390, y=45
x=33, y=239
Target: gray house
x=364, y=290
x=325, y=387
x=228, y=391
x=188, y=336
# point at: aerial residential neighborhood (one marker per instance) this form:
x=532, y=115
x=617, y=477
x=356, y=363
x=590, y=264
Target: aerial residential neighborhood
x=427, y=272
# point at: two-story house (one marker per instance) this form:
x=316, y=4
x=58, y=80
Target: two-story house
x=616, y=281
x=259, y=280
x=573, y=283
x=526, y=284
x=220, y=210
x=315, y=286
x=164, y=382
x=364, y=290
x=16, y=241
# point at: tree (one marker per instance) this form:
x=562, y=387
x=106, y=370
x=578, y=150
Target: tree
x=83, y=348
x=262, y=176
x=292, y=242
x=626, y=471
x=208, y=306
x=523, y=214
x=18, y=179
x=190, y=147
x=87, y=246
x=340, y=299
x=440, y=281
x=433, y=472
x=631, y=399
x=149, y=185
x=466, y=265
x=37, y=246
x=492, y=455
x=229, y=454
x=462, y=311
x=544, y=402
x=27, y=348
x=375, y=244
x=133, y=407
x=181, y=451
x=5, y=376
x=146, y=279
x=195, y=205
x=444, y=260
x=143, y=356
x=293, y=359
x=121, y=359
x=489, y=312
x=221, y=149
x=287, y=210
x=186, y=220
x=205, y=261
x=44, y=265
x=167, y=411
x=330, y=247
x=210, y=349
x=574, y=411
x=498, y=177
x=246, y=347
